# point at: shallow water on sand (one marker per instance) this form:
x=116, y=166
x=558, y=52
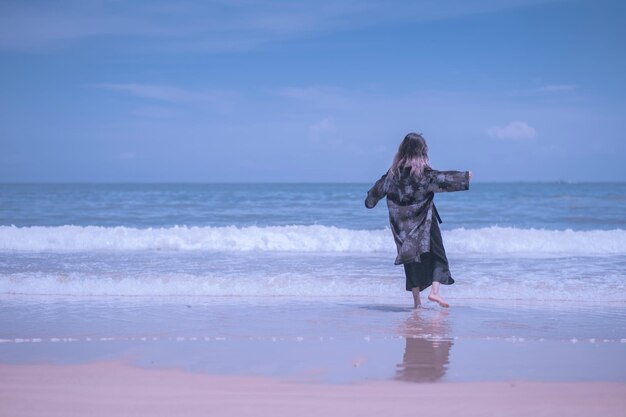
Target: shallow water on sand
x=325, y=341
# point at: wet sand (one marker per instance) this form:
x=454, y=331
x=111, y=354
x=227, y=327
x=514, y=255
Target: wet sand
x=118, y=389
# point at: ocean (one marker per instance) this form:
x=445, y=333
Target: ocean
x=562, y=242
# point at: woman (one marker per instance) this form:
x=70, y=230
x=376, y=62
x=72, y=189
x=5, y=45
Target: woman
x=409, y=186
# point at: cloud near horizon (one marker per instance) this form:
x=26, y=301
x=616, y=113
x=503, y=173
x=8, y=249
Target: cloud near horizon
x=515, y=130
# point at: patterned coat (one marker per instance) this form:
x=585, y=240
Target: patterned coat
x=410, y=204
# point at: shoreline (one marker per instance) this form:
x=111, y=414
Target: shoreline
x=112, y=357
x=333, y=342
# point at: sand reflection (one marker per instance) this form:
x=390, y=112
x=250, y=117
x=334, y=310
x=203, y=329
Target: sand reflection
x=427, y=350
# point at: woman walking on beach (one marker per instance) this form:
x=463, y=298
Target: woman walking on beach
x=409, y=185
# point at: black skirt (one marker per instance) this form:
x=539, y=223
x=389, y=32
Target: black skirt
x=433, y=265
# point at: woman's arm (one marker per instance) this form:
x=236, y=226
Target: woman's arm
x=375, y=193
x=443, y=181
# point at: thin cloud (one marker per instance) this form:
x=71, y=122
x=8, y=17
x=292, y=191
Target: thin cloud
x=556, y=88
x=325, y=125
x=125, y=156
x=29, y=27
x=157, y=112
x=212, y=26
x=319, y=96
x=512, y=131
x=324, y=133
x=223, y=100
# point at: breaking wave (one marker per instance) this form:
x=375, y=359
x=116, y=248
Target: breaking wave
x=495, y=240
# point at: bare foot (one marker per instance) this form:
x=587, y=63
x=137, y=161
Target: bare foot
x=439, y=300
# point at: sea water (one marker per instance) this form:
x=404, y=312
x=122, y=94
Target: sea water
x=564, y=242
x=297, y=280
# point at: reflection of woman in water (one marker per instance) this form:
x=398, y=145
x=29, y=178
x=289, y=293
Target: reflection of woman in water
x=409, y=185
x=424, y=360
x=427, y=351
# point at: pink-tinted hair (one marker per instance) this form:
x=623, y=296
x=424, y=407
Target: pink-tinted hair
x=412, y=153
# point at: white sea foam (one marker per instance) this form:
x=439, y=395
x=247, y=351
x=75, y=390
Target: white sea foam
x=505, y=241
x=477, y=285
x=511, y=241
x=231, y=238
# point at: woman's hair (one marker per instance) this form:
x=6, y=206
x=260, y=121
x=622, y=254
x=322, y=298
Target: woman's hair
x=412, y=153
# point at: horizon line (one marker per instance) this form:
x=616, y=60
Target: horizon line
x=284, y=182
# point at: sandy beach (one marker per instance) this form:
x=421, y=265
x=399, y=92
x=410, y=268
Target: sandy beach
x=118, y=389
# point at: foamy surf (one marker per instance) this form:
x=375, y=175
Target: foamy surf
x=506, y=241
x=298, y=275
x=473, y=285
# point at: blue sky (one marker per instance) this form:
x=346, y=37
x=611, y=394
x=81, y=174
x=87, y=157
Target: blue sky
x=514, y=90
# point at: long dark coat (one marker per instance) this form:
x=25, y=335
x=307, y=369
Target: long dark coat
x=411, y=207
